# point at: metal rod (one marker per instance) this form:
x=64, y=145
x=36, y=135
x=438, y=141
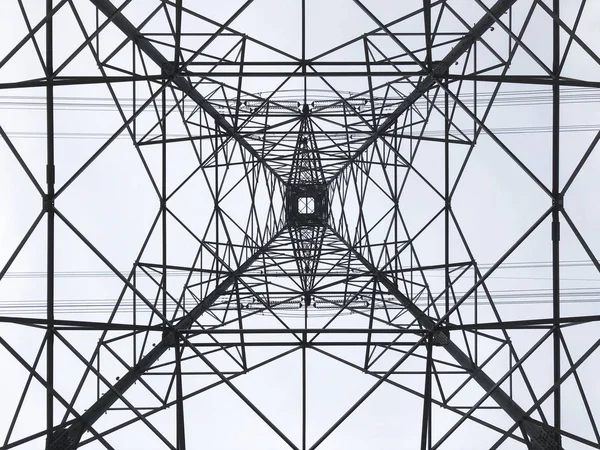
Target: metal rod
x=73, y=433
x=534, y=430
x=557, y=206
x=49, y=208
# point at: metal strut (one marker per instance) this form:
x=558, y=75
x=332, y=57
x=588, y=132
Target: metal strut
x=542, y=437
x=68, y=438
x=439, y=69
x=171, y=70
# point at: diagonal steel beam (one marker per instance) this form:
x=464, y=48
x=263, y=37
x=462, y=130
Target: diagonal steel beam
x=540, y=435
x=439, y=69
x=170, y=70
x=68, y=438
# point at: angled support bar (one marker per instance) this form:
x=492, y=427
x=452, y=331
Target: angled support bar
x=439, y=69
x=68, y=438
x=169, y=69
x=541, y=436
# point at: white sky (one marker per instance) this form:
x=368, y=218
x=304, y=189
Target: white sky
x=114, y=204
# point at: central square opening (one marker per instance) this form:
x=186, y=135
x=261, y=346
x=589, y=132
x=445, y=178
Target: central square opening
x=306, y=205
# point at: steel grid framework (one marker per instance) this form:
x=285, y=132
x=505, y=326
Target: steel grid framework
x=303, y=204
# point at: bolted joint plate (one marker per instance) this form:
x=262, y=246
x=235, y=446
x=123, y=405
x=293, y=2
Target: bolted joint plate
x=440, y=68
x=441, y=338
x=170, y=338
x=61, y=440
x=47, y=203
x=542, y=437
x=169, y=68
x=559, y=201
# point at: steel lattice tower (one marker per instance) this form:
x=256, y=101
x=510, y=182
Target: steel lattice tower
x=303, y=224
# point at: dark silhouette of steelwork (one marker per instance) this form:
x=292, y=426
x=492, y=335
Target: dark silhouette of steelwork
x=319, y=231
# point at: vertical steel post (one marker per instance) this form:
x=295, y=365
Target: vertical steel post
x=447, y=199
x=426, y=424
x=304, y=48
x=557, y=207
x=49, y=208
x=428, y=40
x=163, y=198
x=180, y=420
x=304, y=341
